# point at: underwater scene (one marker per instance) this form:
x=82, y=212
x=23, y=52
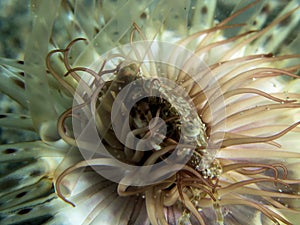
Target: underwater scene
x=148, y=112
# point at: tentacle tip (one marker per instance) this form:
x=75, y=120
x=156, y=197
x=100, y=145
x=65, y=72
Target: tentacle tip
x=69, y=202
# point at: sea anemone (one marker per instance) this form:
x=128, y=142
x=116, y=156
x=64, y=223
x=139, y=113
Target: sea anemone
x=155, y=112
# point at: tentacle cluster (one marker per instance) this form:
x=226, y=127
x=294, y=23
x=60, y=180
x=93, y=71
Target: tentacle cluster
x=227, y=180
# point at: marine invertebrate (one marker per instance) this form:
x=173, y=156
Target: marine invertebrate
x=230, y=92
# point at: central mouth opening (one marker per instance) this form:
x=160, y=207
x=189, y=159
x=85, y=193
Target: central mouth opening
x=146, y=110
x=163, y=117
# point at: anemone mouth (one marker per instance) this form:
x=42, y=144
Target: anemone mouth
x=225, y=107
